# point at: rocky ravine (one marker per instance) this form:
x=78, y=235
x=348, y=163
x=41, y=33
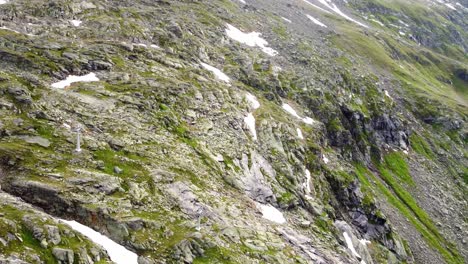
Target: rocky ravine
x=337, y=135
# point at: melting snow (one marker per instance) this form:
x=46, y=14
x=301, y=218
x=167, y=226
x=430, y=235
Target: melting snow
x=376, y=21
x=450, y=6
x=76, y=23
x=287, y=20
x=219, y=74
x=91, y=77
x=388, y=95
x=325, y=159
x=9, y=29
x=252, y=100
x=299, y=134
x=251, y=39
x=250, y=121
x=293, y=112
x=349, y=243
x=316, y=21
x=333, y=7
x=318, y=7
x=290, y=110
x=308, y=120
x=117, y=253
x=271, y=213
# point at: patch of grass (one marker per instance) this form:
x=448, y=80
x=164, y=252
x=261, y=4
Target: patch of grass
x=420, y=146
x=397, y=164
x=130, y=164
x=408, y=207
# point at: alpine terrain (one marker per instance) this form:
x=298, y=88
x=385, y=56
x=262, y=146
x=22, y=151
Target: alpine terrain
x=233, y=131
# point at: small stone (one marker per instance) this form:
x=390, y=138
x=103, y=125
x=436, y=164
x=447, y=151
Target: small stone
x=118, y=170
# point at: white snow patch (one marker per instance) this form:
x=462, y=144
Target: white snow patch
x=293, y=112
x=141, y=45
x=117, y=253
x=219, y=74
x=287, y=20
x=316, y=21
x=325, y=159
x=308, y=120
x=91, y=77
x=250, y=122
x=271, y=213
x=388, y=95
x=299, y=133
x=333, y=7
x=405, y=151
x=364, y=241
x=376, y=21
x=76, y=23
x=450, y=6
x=254, y=103
x=3, y=2
x=251, y=39
x=349, y=243
x=242, y=1
x=290, y=110
x=154, y=46
x=307, y=182
x=9, y=29
x=402, y=33
x=316, y=6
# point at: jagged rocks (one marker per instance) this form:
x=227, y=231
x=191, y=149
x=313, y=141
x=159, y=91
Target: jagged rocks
x=63, y=256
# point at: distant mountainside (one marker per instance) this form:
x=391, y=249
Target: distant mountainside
x=233, y=131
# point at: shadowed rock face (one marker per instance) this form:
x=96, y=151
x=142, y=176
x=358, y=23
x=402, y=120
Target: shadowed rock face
x=185, y=137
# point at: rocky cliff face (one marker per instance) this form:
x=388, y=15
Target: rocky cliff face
x=253, y=131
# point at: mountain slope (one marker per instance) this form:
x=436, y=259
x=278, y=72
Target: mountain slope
x=235, y=131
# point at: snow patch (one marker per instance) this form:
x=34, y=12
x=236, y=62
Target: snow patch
x=290, y=110
x=450, y=6
x=349, y=243
x=316, y=6
x=91, y=77
x=252, y=101
x=388, y=95
x=117, y=253
x=287, y=20
x=76, y=23
x=271, y=213
x=377, y=21
x=325, y=159
x=219, y=74
x=299, y=133
x=3, y=2
x=316, y=21
x=242, y=1
x=308, y=120
x=293, y=112
x=251, y=39
x=334, y=8
x=250, y=122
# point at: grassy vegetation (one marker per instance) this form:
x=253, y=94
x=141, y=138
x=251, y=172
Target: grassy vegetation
x=396, y=163
x=397, y=196
x=420, y=146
